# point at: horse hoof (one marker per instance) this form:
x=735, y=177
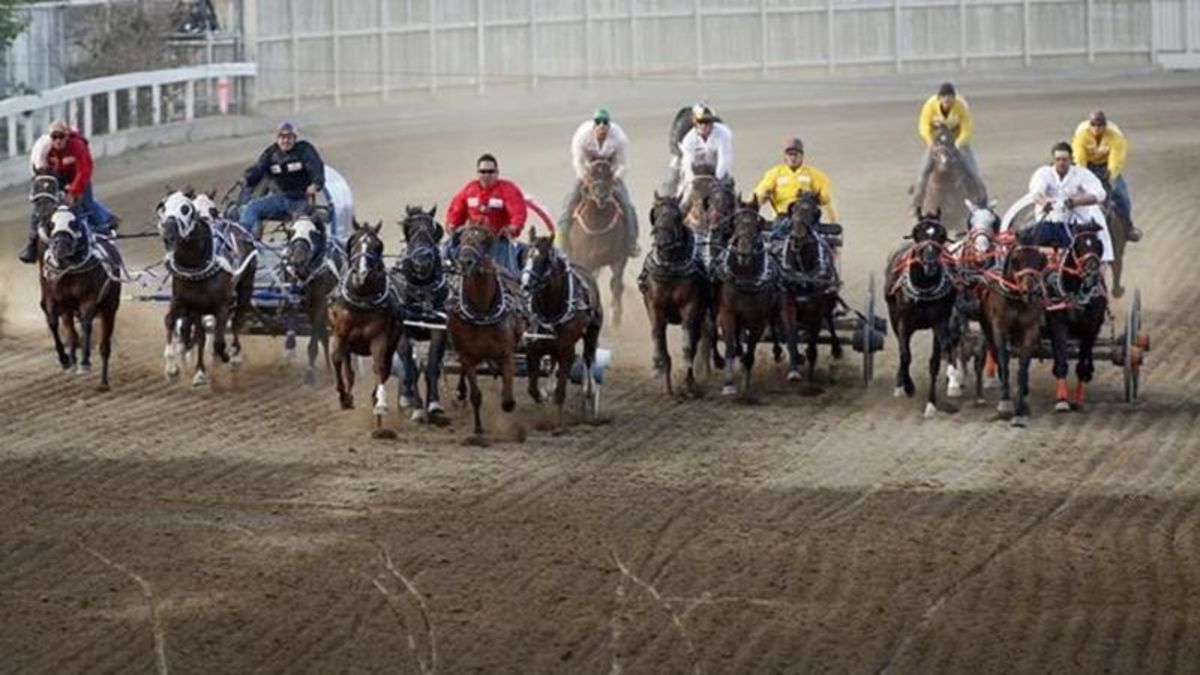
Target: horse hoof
x=1118, y=292
x=172, y=373
x=508, y=406
x=930, y=410
x=1062, y=407
x=1004, y=407
x=289, y=355
x=729, y=390
x=103, y=387
x=794, y=376
x=83, y=368
x=380, y=409
x=383, y=434
x=991, y=382
x=200, y=379
x=1019, y=421
x=476, y=441
x=435, y=408
x=954, y=391
x=346, y=401
x=419, y=416
x=898, y=392
x=235, y=360
x=310, y=377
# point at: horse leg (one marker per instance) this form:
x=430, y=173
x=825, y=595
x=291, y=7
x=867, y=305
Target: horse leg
x=1005, y=406
x=381, y=359
x=1086, y=367
x=729, y=326
x=476, y=400
x=533, y=373
x=981, y=355
x=342, y=372
x=835, y=343
x=813, y=333
x=790, y=334
x=64, y=359
x=410, y=397
x=940, y=338
x=1025, y=357
x=617, y=287
x=591, y=340
x=108, y=323
x=314, y=349
x=220, y=321
x=692, y=327
x=202, y=335
x=508, y=373
x=565, y=357
x=87, y=319
x=67, y=321
x=904, y=381
x=662, y=358
x=433, y=373
x=752, y=338
x=171, y=351
x=1058, y=345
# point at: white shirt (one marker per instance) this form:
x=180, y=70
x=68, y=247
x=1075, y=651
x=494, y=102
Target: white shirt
x=1077, y=183
x=584, y=148
x=39, y=155
x=716, y=149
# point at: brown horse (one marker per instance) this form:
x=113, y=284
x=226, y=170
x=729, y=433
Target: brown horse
x=365, y=319
x=45, y=196
x=564, y=302
x=79, y=280
x=483, y=318
x=675, y=287
x=1077, y=307
x=422, y=283
x=977, y=253
x=598, y=231
x=312, y=264
x=747, y=294
x=920, y=295
x=212, y=266
x=1013, y=305
x=811, y=285
x=949, y=183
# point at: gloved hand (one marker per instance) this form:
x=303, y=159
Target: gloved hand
x=1069, y=203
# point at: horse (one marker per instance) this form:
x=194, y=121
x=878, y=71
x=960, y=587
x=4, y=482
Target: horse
x=1077, y=305
x=747, y=294
x=598, y=236
x=80, y=279
x=1013, y=306
x=920, y=295
x=564, y=303
x=365, y=319
x=810, y=283
x=421, y=281
x=311, y=264
x=45, y=196
x=212, y=266
x=949, y=183
x=1118, y=234
x=675, y=287
x=708, y=209
x=978, y=252
x=484, y=319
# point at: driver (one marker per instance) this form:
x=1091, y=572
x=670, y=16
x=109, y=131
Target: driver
x=297, y=173
x=784, y=183
x=494, y=203
x=708, y=142
x=1076, y=190
x=601, y=138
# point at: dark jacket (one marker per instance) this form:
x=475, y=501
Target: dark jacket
x=291, y=172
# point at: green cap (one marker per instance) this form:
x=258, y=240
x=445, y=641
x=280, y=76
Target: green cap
x=601, y=115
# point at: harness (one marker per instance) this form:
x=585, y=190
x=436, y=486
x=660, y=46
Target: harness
x=328, y=253
x=457, y=303
x=577, y=214
x=904, y=281
x=222, y=257
x=576, y=302
x=768, y=274
x=383, y=299
x=823, y=280
x=665, y=270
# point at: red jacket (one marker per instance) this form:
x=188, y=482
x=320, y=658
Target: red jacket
x=500, y=208
x=73, y=164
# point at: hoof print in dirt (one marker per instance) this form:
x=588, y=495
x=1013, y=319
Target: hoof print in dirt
x=383, y=434
x=810, y=390
x=475, y=441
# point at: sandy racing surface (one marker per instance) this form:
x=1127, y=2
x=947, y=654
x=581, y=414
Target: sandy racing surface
x=254, y=527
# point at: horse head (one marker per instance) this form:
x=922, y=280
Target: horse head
x=542, y=263
x=68, y=239
x=944, y=149
x=666, y=225
x=206, y=207
x=306, y=247
x=804, y=214
x=422, y=233
x=982, y=227
x=746, y=241
x=1025, y=269
x=475, y=249
x=177, y=220
x=1087, y=250
x=929, y=241
x=719, y=206
x=365, y=266
x=598, y=184
x=45, y=194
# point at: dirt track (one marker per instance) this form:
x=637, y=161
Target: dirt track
x=254, y=527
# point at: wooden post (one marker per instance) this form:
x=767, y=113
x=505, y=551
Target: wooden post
x=962, y=34
x=433, y=62
x=896, y=35
x=763, y=35
x=533, y=44
x=385, y=25
x=829, y=34
x=1089, y=9
x=335, y=35
x=112, y=112
x=1025, y=38
x=479, y=46
x=697, y=24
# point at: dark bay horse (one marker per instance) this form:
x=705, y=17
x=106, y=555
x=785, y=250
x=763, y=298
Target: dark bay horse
x=675, y=287
x=80, y=279
x=365, y=319
x=212, y=266
x=312, y=264
x=981, y=250
x=811, y=285
x=45, y=196
x=1076, y=308
x=564, y=302
x=747, y=294
x=708, y=209
x=422, y=283
x=950, y=184
x=484, y=319
x=919, y=290
x=1013, y=305
x=598, y=231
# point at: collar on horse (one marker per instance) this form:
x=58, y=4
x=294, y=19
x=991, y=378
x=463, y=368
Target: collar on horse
x=914, y=292
x=457, y=303
x=223, y=256
x=576, y=302
x=767, y=272
x=617, y=217
x=689, y=265
x=824, y=279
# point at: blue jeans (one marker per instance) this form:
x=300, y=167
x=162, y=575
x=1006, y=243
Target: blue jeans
x=269, y=206
x=505, y=253
x=1121, y=201
x=88, y=209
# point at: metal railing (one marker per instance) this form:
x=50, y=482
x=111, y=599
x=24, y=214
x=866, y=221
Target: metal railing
x=108, y=105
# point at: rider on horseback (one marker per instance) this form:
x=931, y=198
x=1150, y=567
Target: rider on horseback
x=784, y=183
x=297, y=172
x=948, y=109
x=64, y=153
x=707, y=143
x=601, y=138
x=1101, y=147
x=1077, y=190
x=494, y=203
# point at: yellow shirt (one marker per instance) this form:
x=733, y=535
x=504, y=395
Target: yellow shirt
x=1109, y=149
x=783, y=185
x=959, y=119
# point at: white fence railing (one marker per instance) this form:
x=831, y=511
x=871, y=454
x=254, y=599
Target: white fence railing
x=329, y=51
x=108, y=105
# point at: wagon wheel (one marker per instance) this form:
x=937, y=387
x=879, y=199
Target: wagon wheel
x=868, y=332
x=1133, y=351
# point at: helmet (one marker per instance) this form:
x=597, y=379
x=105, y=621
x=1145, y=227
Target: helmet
x=702, y=113
x=794, y=145
x=601, y=115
